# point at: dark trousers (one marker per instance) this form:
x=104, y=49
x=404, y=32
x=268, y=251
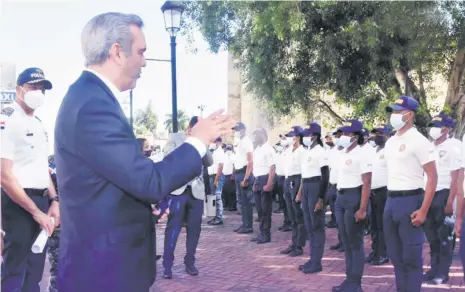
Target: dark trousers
x=264, y=205
x=314, y=221
x=404, y=242
x=440, y=246
x=282, y=202
x=331, y=199
x=53, y=252
x=229, y=192
x=21, y=269
x=378, y=202
x=294, y=210
x=183, y=206
x=352, y=232
x=245, y=196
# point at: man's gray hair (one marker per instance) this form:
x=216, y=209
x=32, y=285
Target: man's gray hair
x=102, y=31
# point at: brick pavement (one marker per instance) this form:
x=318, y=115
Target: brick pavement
x=230, y=262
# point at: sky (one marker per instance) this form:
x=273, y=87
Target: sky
x=46, y=34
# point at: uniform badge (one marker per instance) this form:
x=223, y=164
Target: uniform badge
x=309, y=159
x=382, y=156
x=7, y=111
x=442, y=153
x=349, y=162
x=401, y=148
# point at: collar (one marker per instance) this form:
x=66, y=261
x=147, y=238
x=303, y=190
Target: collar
x=116, y=92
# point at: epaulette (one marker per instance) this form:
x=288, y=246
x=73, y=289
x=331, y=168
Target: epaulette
x=7, y=111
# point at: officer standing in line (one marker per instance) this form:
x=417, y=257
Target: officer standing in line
x=408, y=155
x=216, y=179
x=332, y=188
x=229, y=187
x=263, y=172
x=353, y=192
x=25, y=180
x=294, y=175
x=243, y=177
x=459, y=212
x=312, y=191
x=329, y=146
x=449, y=162
x=280, y=163
x=378, y=255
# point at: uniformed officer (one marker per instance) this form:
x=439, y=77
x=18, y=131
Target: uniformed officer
x=229, y=188
x=294, y=175
x=408, y=155
x=459, y=212
x=448, y=162
x=312, y=191
x=216, y=177
x=378, y=255
x=263, y=172
x=329, y=146
x=353, y=192
x=25, y=181
x=280, y=163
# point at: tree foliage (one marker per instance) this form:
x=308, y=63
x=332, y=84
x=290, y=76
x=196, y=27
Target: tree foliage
x=366, y=54
x=183, y=121
x=145, y=122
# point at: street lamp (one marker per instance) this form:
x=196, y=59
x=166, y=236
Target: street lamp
x=172, y=13
x=201, y=108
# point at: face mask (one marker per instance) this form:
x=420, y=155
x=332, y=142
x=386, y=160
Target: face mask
x=213, y=146
x=379, y=140
x=279, y=149
x=307, y=141
x=34, y=98
x=435, y=133
x=372, y=143
x=237, y=135
x=337, y=142
x=284, y=143
x=330, y=144
x=345, y=141
x=396, y=121
x=290, y=141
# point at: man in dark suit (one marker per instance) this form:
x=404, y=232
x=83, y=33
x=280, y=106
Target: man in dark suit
x=106, y=185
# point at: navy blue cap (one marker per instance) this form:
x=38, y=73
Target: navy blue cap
x=441, y=120
x=403, y=103
x=193, y=121
x=336, y=132
x=313, y=128
x=229, y=147
x=239, y=126
x=365, y=132
x=219, y=139
x=351, y=126
x=452, y=123
x=295, y=131
x=33, y=76
x=385, y=129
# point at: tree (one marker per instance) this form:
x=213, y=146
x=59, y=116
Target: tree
x=145, y=121
x=183, y=121
x=364, y=53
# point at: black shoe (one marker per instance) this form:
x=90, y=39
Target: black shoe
x=218, y=221
x=341, y=249
x=238, y=228
x=428, y=276
x=263, y=239
x=331, y=224
x=192, y=270
x=306, y=265
x=296, y=252
x=379, y=261
x=211, y=220
x=157, y=257
x=167, y=274
x=286, y=228
x=288, y=250
x=312, y=270
x=281, y=227
x=439, y=280
x=278, y=211
x=239, y=213
x=370, y=257
x=245, y=231
x=341, y=287
x=336, y=246
x=254, y=239
x=257, y=220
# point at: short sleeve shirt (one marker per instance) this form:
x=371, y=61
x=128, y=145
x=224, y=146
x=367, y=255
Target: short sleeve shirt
x=312, y=160
x=263, y=159
x=448, y=158
x=244, y=147
x=351, y=166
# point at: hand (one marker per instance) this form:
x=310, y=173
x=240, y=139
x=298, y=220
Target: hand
x=298, y=198
x=212, y=127
x=155, y=210
x=1, y=244
x=245, y=183
x=54, y=212
x=44, y=221
x=164, y=217
x=319, y=205
x=458, y=227
x=215, y=183
x=360, y=215
x=267, y=188
x=418, y=217
x=449, y=209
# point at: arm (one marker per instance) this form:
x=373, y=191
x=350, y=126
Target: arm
x=51, y=189
x=452, y=192
x=366, y=190
x=324, y=182
x=460, y=194
x=249, y=166
x=431, y=183
x=107, y=145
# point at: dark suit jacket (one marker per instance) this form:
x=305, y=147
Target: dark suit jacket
x=106, y=187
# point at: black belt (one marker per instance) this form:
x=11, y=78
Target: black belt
x=36, y=192
x=296, y=176
x=378, y=189
x=332, y=185
x=188, y=188
x=311, y=179
x=244, y=169
x=343, y=191
x=395, y=194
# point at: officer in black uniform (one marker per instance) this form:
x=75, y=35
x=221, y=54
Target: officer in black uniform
x=25, y=183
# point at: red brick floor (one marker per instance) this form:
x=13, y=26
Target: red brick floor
x=230, y=262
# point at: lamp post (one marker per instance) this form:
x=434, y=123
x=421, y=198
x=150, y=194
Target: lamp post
x=172, y=13
x=201, y=108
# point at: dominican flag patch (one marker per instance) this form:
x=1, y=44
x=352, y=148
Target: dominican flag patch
x=2, y=125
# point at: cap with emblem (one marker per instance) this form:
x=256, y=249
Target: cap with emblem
x=351, y=126
x=33, y=76
x=440, y=121
x=313, y=128
x=384, y=129
x=193, y=121
x=403, y=103
x=295, y=131
x=365, y=132
x=239, y=126
x=218, y=140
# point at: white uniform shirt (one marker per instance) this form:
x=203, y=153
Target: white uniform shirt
x=218, y=158
x=312, y=160
x=379, y=173
x=25, y=142
x=405, y=157
x=244, y=147
x=333, y=155
x=279, y=159
x=157, y=157
x=294, y=166
x=228, y=166
x=370, y=150
x=263, y=159
x=448, y=158
x=351, y=166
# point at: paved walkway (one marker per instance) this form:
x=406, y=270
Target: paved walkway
x=230, y=262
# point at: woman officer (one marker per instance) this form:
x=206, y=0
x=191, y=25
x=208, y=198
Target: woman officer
x=315, y=177
x=354, y=185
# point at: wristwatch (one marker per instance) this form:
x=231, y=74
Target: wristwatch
x=56, y=199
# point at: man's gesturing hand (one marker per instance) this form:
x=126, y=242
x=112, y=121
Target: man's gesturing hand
x=212, y=127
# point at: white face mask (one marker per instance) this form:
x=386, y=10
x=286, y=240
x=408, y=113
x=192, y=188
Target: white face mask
x=307, y=141
x=396, y=121
x=337, y=142
x=284, y=142
x=213, y=146
x=345, y=142
x=435, y=133
x=279, y=149
x=290, y=141
x=34, y=98
x=372, y=143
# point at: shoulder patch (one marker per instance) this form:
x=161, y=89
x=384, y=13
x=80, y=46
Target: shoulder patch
x=7, y=111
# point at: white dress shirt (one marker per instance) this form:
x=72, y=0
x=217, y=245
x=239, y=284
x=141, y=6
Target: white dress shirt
x=351, y=166
x=333, y=164
x=228, y=166
x=243, y=148
x=263, y=159
x=312, y=160
x=448, y=158
x=218, y=158
x=379, y=173
x=294, y=166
